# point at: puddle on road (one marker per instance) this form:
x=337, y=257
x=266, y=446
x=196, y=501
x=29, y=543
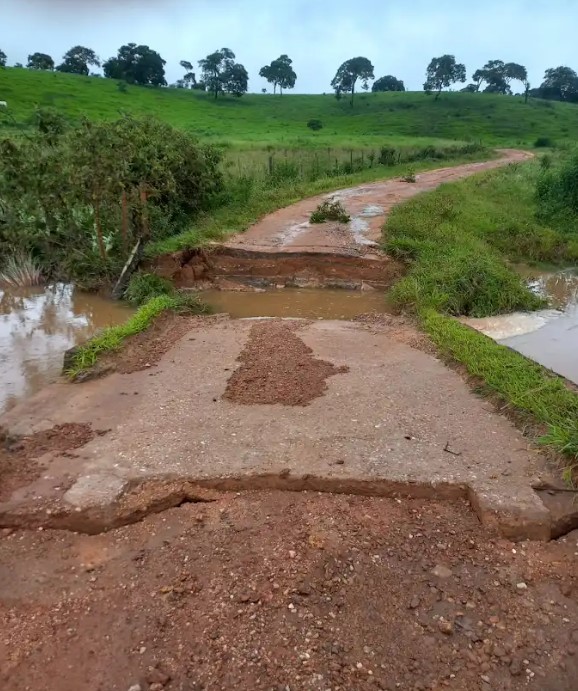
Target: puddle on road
x=37, y=325
x=550, y=336
x=307, y=303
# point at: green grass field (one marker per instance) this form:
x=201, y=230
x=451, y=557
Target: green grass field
x=265, y=120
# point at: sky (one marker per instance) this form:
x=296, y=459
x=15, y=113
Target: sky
x=399, y=36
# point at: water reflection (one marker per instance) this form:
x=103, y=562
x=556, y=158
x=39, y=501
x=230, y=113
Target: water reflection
x=37, y=325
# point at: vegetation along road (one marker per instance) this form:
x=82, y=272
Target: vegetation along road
x=202, y=502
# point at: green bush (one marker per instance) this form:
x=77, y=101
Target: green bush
x=557, y=193
x=315, y=124
x=543, y=143
x=388, y=156
x=143, y=286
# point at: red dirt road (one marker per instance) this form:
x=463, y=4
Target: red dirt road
x=289, y=591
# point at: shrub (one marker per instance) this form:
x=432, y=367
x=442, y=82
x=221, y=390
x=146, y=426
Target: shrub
x=20, y=271
x=330, y=211
x=409, y=176
x=557, y=193
x=315, y=124
x=388, y=156
x=543, y=142
x=143, y=286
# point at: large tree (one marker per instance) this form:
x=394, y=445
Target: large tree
x=136, y=65
x=442, y=72
x=388, y=83
x=40, y=61
x=189, y=81
x=221, y=74
x=349, y=73
x=280, y=73
x=78, y=59
x=498, y=74
x=3, y=58
x=560, y=84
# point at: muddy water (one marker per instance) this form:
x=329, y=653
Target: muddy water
x=550, y=336
x=287, y=302
x=37, y=325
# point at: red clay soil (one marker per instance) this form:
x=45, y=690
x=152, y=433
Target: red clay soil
x=291, y=591
x=277, y=367
x=19, y=455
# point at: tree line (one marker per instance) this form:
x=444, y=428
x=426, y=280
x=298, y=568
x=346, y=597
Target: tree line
x=221, y=74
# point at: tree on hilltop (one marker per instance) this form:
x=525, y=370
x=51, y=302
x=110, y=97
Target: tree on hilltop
x=560, y=84
x=77, y=61
x=349, y=73
x=388, y=83
x=280, y=74
x=3, y=58
x=498, y=74
x=221, y=74
x=40, y=61
x=442, y=72
x=136, y=65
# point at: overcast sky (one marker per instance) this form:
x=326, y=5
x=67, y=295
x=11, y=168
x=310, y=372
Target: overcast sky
x=398, y=36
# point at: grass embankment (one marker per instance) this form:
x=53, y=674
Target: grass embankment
x=457, y=242
x=111, y=339
x=280, y=121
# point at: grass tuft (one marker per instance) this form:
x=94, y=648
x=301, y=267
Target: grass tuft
x=112, y=338
x=330, y=210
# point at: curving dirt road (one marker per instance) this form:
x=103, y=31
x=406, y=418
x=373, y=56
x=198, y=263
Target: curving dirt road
x=289, y=230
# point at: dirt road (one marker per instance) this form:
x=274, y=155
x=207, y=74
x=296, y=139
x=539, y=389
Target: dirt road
x=149, y=539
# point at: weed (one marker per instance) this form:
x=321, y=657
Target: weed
x=330, y=210
x=19, y=271
x=409, y=176
x=143, y=286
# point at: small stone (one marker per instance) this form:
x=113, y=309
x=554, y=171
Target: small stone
x=156, y=687
x=485, y=678
x=446, y=627
x=521, y=586
x=292, y=554
x=442, y=571
x=415, y=601
x=157, y=676
x=135, y=687
x=142, y=650
x=515, y=668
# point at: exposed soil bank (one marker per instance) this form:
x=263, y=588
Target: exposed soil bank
x=274, y=590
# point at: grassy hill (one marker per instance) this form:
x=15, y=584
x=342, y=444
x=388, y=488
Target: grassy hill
x=260, y=120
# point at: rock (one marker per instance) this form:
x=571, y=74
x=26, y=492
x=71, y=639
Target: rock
x=521, y=586
x=135, y=687
x=446, y=627
x=156, y=687
x=414, y=603
x=485, y=678
x=442, y=571
x=516, y=668
x=157, y=676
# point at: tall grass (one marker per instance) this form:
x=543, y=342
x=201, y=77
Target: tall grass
x=20, y=271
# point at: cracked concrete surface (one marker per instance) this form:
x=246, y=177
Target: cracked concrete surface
x=398, y=421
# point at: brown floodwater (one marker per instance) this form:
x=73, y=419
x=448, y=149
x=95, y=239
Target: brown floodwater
x=37, y=325
x=307, y=303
